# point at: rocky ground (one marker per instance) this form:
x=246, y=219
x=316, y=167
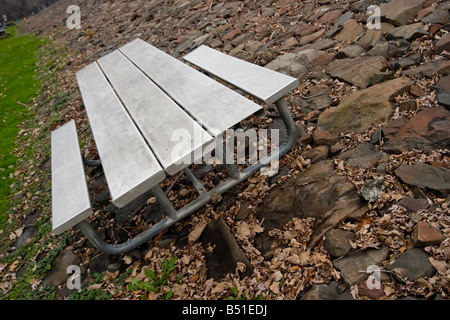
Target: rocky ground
x=367, y=183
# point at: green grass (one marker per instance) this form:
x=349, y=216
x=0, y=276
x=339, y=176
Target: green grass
x=18, y=85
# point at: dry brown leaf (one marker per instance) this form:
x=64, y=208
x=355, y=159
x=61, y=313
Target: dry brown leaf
x=127, y=259
x=197, y=231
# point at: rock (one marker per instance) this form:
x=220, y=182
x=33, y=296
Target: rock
x=425, y=176
x=298, y=64
x=329, y=291
x=27, y=234
x=290, y=43
x=58, y=273
x=337, y=242
x=363, y=156
x=380, y=49
x=398, y=48
x=412, y=204
x=408, y=105
x=442, y=88
x=400, y=11
x=360, y=71
x=353, y=266
x=429, y=69
x=289, y=64
x=123, y=215
x=318, y=192
x=408, y=32
x=443, y=44
x=428, y=129
x=351, y=31
x=367, y=291
x=322, y=137
x=312, y=37
x=226, y=253
x=370, y=37
x=412, y=264
x=372, y=189
x=267, y=12
x=356, y=112
x=317, y=153
x=425, y=234
x=405, y=62
x=440, y=15
x=352, y=51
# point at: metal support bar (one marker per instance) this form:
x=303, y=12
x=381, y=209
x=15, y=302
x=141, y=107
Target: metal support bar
x=197, y=184
x=228, y=160
x=91, y=163
x=198, y=203
x=164, y=202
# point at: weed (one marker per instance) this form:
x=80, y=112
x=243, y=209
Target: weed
x=155, y=283
x=243, y=295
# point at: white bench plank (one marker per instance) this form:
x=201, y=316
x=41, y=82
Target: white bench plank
x=70, y=196
x=265, y=84
x=129, y=165
x=157, y=116
x=217, y=107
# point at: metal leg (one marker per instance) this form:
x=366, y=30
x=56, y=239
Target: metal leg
x=164, y=202
x=91, y=163
x=197, y=184
x=228, y=160
x=198, y=203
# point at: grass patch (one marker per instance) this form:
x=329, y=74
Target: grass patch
x=18, y=85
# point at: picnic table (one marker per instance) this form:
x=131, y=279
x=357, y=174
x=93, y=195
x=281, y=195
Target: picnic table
x=137, y=98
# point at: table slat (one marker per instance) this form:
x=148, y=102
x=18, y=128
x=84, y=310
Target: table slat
x=129, y=165
x=158, y=117
x=216, y=106
x=263, y=83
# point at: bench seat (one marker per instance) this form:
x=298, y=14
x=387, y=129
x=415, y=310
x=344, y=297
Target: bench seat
x=70, y=197
x=264, y=84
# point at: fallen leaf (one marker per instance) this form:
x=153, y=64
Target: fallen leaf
x=197, y=231
x=215, y=197
x=127, y=259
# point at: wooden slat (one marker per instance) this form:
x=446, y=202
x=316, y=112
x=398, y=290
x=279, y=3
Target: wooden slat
x=70, y=196
x=264, y=84
x=216, y=106
x=129, y=165
x=157, y=116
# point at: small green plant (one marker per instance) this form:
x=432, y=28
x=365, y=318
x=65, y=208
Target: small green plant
x=90, y=294
x=243, y=295
x=155, y=283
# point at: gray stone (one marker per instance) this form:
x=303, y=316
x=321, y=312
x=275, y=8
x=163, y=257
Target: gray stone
x=400, y=11
x=443, y=43
x=370, y=37
x=329, y=291
x=408, y=32
x=363, y=156
x=372, y=189
x=226, y=253
x=442, y=88
x=354, y=265
x=429, y=69
x=408, y=61
x=352, y=51
x=429, y=129
x=435, y=179
x=360, y=71
x=413, y=205
x=320, y=193
x=412, y=264
x=58, y=273
x=337, y=242
x=356, y=112
x=351, y=31
x=267, y=12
